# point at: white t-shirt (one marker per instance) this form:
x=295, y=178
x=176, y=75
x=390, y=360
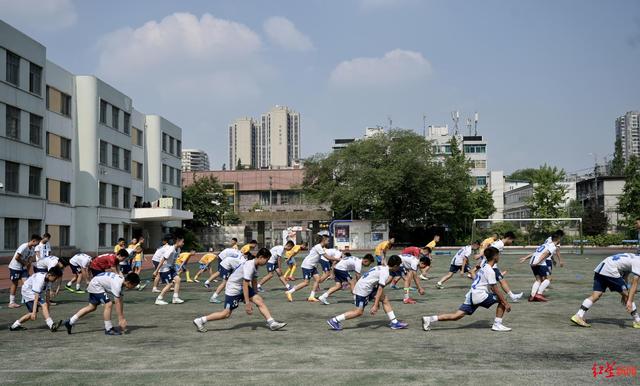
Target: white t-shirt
x=132, y=253
x=81, y=260
x=480, y=288
x=35, y=284
x=549, y=247
x=549, y=241
x=331, y=252
x=376, y=276
x=619, y=265
x=157, y=256
x=409, y=262
x=464, y=252
x=276, y=253
x=43, y=250
x=108, y=282
x=228, y=252
x=349, y=264
x=499, y=245
x=313, y=257
x=25, y=253
x=232, y=262
x=47, y=262
x=247, y=270
x=169, y=254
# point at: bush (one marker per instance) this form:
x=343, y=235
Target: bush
x=605, y=240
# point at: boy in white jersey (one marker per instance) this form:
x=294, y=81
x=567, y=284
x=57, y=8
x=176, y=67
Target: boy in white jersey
x=240, y=288
x=227, y=252
x=226, y=267
x=507, y=239
x=341, y=274
x=371, y=287
x=168, y=275
x=326, y=265
x=555, y=258
x=79, y=265
x=34, y=294
x=19, y=266
x=609, y=274
x=274, y=265
x=459, y=263
x=44, y=265
x=43, y=249
x=309, y=270
x=409, y=271
x=155, y=260
x=99, y=289
x=483, y=293
x=538, y=262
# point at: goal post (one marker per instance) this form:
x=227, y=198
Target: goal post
x=533, y=231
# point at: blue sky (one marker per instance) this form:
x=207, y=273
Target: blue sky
x=548, y=78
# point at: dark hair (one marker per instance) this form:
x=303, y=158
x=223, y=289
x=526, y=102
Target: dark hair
x=253, y=242
x=510, y=235
x=64, y=261
x=123, y=253
x=132, y=278
x=36, y=237
x=347, y=253
x=121, y=239
x=555, y=237
x=55, y=271
x=166, y=238
x=425, y=260
x=46, y=234
x=394, y=261
x=264, y=252
x=234, y=239
x=559, y=232
x=477, y=242
x=491, y=252
x=289, y=243
x=368, y=256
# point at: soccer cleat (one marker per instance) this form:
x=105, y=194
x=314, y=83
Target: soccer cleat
x=276, y=325
x=580, y=322
x=207, y=285
x=289, y=296
x=112, y=332
x=196, y=281
x=312, y=300
x=79, y=291
x=516, y=297
x=155, y=290
x=439, y=286
x=636, y=324
x=69, y=288
x=324, y=301
x=260, y=289
x=539, y=298
x=143, y=286
x=531, y=299
x=408, y=301
x=19, y=328
x=189, y=281
x=52, y=303
x=68, y=326
x=215, y=300
x=398, y=325
x=55, y=326
x=500, y=327
x=177, y=301
x=394, y=287
x=160, y=302
x=423, y=277
x=199, y=325
x=336, y=326
x=14, y=305
x=426, y=323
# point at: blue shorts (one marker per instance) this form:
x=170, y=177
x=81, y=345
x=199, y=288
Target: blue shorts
x=271, y=267
x=137, y=264
x=498, y=275
x=602, y=282
x=540, y=270
x=96, y=272
x=379, y=259
x=399, y=273
x=291, y=261
x=326, y=265
x=36, y=270
x=75, y=269
x=455, y=268
x=29, y=304
x=362, y=301
x=167, y=277
x=125, y=269
x=203, y=267
x=155, y=264
x=96, y=299
x=307, y=274
x=15, y=274
x=486, y=303
x=232, y=302
x=341, y=276
x=179, y=267
x=224, y=273
x=549, y=265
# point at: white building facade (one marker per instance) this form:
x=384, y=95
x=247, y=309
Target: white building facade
x=194, y=160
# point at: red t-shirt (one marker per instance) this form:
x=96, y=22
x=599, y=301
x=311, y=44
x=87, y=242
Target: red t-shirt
x=104, y=262
x=415, y=251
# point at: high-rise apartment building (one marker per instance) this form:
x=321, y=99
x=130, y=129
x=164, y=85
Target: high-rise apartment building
x=628, y=131
x=194, y=160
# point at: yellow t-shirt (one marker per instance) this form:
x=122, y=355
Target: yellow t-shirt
x=138, y=256
x=117, y=248
x=382, y=247
x=208, y=258
x=432, y=244
x=184, y=256
x=487, y=242
x=245, y=249
x=294, y=251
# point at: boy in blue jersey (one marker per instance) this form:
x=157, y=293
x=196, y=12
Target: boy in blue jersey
x=34, y=294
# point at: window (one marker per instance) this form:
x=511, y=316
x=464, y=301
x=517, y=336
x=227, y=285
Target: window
x=115, y=190
x=171, y=175
x=115, y=234
x=475, y=148
x=65, y=192
x=103, y=194
x=171, y=145
x=127, y=122
x=136, y=137
x=60, y=191
x=11, y=233
x=164, y=142
x=34, y=180
x=13, y=122
x=138, y=201
x=126, y=198
x=137, y=171
x=178, y=148
x=102, y=235
x=35, y=129
x=60, y=102
x=178, y=177
x=35, y=227
x=103, y=152
x=115, y=156
x=115, y=117
x=127, y=160
x=164, y=173
x=13, y=69
x=481, y=181
x=64, y=235
x=11, y=177
x=103, y=112
x=35, y=79
x=126, y=231
x=65, y=148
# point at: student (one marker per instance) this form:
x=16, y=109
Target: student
x=34, y=294
x=249, y=247
x=108, y=261
x=227, y=252
x=273, y=265
x=327, y=265
x=409, y=271
x=205, y=265
x=555, y=258
x=122, y=243
x=537, y=261
x=483, y=293
x=99, y=288
x=310, y=271
x=234, y=243
x=609, y=274
x=168, y=274
x=371, y=287
x=181, y=264
x=240, y=288
x=459, y=263
x=486, y=243
x=43, y=249
x=226, y=267
x=44, y=265
x=155, y=260
x=341, y=273
x=430, y=247
x=136, y=264
x=507, y=239
x=291, y=261
x=19, y=266
x=79, y=265
x=380, y=252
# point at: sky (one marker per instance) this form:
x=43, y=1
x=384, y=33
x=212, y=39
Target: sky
x=548, y=77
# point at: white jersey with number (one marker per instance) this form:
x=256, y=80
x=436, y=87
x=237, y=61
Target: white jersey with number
x=47, y=263
x=247, y=270
x=349, y=264
x=81, y=260
x=43, y=250
x=229, y=252
x=376, y=276
x=232, y=262
x=313, y=257
x=619, y=265
x=544, y=248
x=409, y=262
x=463, y=253
x=480, y=288
x=276, y=253
x=106, y=282
x=332, y=252
x=157, y=256
x=26, y=255
x=35, y=284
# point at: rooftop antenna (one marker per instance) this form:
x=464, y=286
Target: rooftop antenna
x=424, y=125
x=468, y=124
x=475, y=119
x=455, y=116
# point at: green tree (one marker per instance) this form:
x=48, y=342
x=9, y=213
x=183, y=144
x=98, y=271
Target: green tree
x=548, y=192
x=629, y=203
x=239, y=164
x=574, y=209
x=206, y=199
x=527, y=174
x=482, y=203
x=617, y=164
x=594, y=221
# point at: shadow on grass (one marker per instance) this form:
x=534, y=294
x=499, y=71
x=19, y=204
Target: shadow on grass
x=478, y=324
x=616, y=322
x=253, y=325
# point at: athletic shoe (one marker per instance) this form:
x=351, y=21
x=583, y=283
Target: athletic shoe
x=196, y=281
x=324, y=301
x=426, y=323
x=398, y=325
x=636, y=324
x=500, y=327
x=207, y=285
x=539, y=298
x=394, y=287
x=199, y=325
x=580, y=322
x=52, y=303
x=260, y=289
x=276, y=325
x=68, y=326
x=155, y=290
x=531, y=299
x=439, y=286
x=69, y=288
x=336, y=326
x=160, y=302
x=19, y=328
x=408, y=301
x=55, y=326
x=289, y=296
x=516, y=297
x=215, y=300
x=79, y=291
x=143, y=286
x=312, y=300
x=14, y=305
x=412, y=289
x=423, y=277
x=177, y=301
x=189, y=281
x=112, y=332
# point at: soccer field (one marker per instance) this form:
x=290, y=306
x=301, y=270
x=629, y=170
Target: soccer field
x=164, y=347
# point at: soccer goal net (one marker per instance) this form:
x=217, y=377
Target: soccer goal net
x=531, y=231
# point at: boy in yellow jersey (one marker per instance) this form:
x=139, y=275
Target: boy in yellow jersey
x=291, y=261
x=121, y=244
x=205, y=265
x=381, y=251
x=181, y=264
x=247, y=248
x=137, y=259
x=432, y=247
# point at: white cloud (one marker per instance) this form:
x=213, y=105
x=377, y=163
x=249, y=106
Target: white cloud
x=397, y=67
x=39, y=14
x=281, y=31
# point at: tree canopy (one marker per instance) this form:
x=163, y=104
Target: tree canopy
x=629, y=204
x=548, y=196
x=527, y=174
x=206, y=199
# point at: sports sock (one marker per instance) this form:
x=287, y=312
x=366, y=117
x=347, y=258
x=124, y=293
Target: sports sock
x=49, y=322
x=586, y=304
x=292, y=290
x=543, y=286
x=288, y=286
x=138, y=286
x=175, y=295
x=439, y=283
x=74, y=319
x=634, y=312
x=203, y=319
x=16, y=324
x=69, y=283
x=324, y=295
x=207, y=282
x=108, y=325
x=77, y=286
x=270, y=321
x=312, y=294
x=159, y=297
x=497, y=320
x=12, y=299
x=188, y=275
x=214, y=296
x=433, y=318
x=511, y=294
x=293, y=270
x=340, y=318
x=534, y=288
x=392, y=317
